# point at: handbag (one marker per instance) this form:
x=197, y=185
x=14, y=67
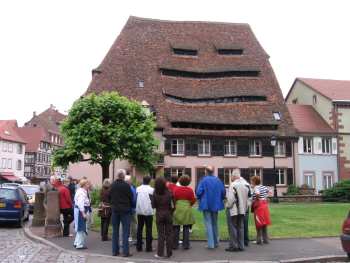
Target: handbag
x=104, y=210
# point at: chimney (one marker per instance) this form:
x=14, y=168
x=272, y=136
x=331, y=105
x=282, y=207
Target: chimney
x=34, y=113
x=52, y=107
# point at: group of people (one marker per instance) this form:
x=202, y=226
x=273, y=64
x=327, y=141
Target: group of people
x=132, y=209
x=171, y=203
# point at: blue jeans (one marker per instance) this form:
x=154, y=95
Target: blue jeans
x=211, y=225
x=125, y=219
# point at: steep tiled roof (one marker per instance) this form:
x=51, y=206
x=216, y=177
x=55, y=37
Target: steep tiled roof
x=307, y=119
x=9, y=131
x=33, y=136
x=144, y=52
x=49, y=119
x=332, y=89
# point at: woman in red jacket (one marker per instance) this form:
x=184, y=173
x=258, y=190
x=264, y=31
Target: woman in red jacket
x=66, y=206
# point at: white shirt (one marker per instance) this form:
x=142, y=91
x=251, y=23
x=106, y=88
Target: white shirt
x=143, y=201
x=81, y=199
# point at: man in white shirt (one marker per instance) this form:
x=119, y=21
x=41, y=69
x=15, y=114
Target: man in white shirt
x=144, y=213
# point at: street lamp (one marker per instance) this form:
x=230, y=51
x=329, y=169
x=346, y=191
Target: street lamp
x=273, y=144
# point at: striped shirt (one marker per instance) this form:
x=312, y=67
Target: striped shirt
x=262, y=191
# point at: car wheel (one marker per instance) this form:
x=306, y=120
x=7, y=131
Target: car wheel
x=349, y=255
x=19, y=224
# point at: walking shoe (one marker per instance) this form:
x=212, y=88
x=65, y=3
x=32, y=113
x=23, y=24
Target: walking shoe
x=266, y=242
x=127, y=255
x=115, y=254
x=231, y=249
x=157, y=256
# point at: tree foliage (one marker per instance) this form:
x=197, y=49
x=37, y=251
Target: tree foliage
x=106, y=127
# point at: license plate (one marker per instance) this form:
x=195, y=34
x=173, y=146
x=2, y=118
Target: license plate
x=2, y=205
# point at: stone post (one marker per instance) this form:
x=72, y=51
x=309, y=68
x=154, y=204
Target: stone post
x=53, y=226
x=39, y=210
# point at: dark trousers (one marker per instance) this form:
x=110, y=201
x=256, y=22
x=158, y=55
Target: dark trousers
x=262, y=235
x=104, y=227
x=124, y=219
x=246, y=230
x=141, y=221
x=165, y=229
x=185, y=237
x=68, y=217
x=238, y=234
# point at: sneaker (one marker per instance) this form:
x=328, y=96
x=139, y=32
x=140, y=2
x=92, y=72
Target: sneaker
x=231, y=249
x=127, y=255
x=157, y=256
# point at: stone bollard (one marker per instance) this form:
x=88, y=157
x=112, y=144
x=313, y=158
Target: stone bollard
x=39, y=210
x=53, y=226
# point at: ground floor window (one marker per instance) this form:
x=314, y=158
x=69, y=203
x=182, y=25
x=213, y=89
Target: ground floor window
x=227, y=175
x=281, y=176
x=177, y=171
x=309, y=179
x=327, y=180
x=255, y=172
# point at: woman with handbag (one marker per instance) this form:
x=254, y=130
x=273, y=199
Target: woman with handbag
x=260, y=208
x=105, y=211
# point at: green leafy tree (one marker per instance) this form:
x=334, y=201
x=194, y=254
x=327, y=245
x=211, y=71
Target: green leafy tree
x=106, y=127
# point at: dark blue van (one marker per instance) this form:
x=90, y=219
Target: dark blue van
x=14, y=206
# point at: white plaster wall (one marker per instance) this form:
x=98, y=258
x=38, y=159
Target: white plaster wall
x=14, y=156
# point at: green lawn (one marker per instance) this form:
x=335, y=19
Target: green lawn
x=288, y=220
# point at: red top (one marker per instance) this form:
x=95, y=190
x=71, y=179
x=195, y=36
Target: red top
x=184, y=193
x=65, y=198
x=172, y=187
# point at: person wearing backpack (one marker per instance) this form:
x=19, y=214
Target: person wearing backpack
x=237, y=204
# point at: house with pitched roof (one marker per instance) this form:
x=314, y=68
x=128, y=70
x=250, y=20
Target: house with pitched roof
x=12, y=149
x=316, y=159
x=214, y=95
x=331, y=99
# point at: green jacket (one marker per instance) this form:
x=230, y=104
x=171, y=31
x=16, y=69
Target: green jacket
x=183, y=213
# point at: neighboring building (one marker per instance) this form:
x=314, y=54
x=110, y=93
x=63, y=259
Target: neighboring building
x=316, y=158
x=50, y=120
x=12, y=148
x=331, y=99
x=37, y=160
x=213, y=92
x=46, y=140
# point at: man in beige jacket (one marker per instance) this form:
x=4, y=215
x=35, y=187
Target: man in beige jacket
x=237, y=205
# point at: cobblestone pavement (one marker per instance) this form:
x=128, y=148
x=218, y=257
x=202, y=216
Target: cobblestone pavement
x=15, y=247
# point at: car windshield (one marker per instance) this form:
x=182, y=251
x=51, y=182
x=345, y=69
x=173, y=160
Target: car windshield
x=30, y=189
x=9, y=194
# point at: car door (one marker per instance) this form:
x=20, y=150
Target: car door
x=25, y=203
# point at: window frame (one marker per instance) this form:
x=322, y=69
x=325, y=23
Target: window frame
x=327, y=174
x=278, y=174
x=311, y=174
x=255, y=169
x=177, y=147
x=232, y=147
x=253, y=145
x=202, y=146
x=19, y=165
x=10, y=147
x=3, y=163
x=230, y=169
x=310, y=144
x=9, y=164
x=278, y=146
x=177, y=168
x=328, y=141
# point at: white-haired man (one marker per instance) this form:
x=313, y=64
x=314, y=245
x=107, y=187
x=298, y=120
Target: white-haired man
x=238, y=205
x=121, y=199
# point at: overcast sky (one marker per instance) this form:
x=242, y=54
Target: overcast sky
x=48, y=48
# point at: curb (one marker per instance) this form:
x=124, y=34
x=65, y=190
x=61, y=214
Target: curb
x=28, y=233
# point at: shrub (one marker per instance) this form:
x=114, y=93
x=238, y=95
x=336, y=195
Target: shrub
x=95, y=196
x=339, y=192
x=293, y=190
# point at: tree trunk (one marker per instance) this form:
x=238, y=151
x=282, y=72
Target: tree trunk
x=105, y=170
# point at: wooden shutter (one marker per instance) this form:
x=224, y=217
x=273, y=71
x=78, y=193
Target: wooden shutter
x=221, y=175
x=188, y=146
x=167, y=173
x=301, y=145
x=288, y=148
x=167, y=146
x=188, y=172
x=267, y=149
x=269, y=177
x=334, y=146
x=243, y=147
x=245, y=174
x=217, y=147
x=317, y=145
x=290, y=178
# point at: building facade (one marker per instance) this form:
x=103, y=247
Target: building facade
x=316, y=157
x=37, y=159
x=331, y=99
x=12, y=149
x=213, y=93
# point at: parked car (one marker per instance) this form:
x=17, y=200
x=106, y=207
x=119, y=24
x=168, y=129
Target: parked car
x=30, y=190
x=14, y=206
x=11, y=184
x=345, y=237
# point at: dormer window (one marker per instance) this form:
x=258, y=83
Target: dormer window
x=140, y=84
x=277, y=116
x=185, y=52
x=230, y=51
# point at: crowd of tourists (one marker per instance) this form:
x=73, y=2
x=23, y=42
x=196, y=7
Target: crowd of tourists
x=132, y=209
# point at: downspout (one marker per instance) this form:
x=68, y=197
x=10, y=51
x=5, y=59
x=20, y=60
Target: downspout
x=113, y=165
x=336, y=127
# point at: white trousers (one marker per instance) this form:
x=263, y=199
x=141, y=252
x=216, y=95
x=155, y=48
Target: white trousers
x=80, y=239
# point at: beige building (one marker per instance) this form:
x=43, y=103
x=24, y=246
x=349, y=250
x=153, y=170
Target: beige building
x=331, y=99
